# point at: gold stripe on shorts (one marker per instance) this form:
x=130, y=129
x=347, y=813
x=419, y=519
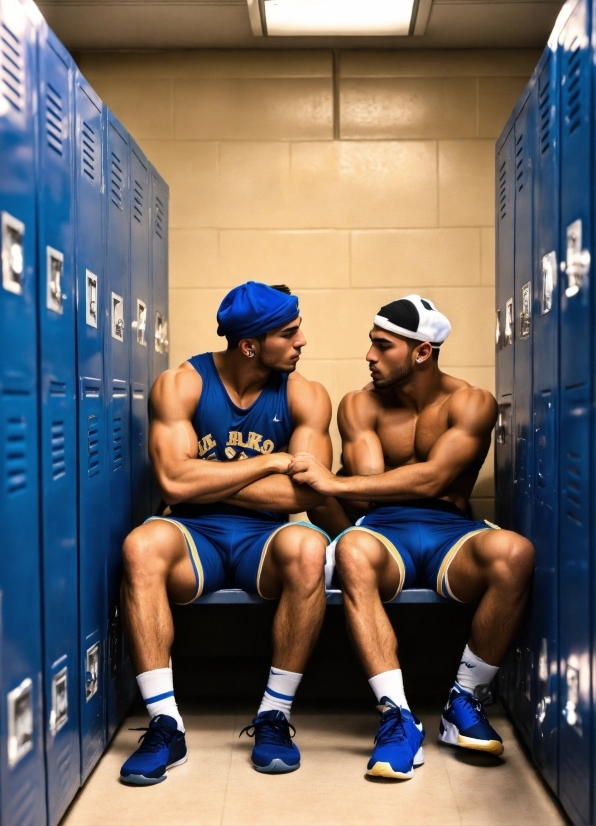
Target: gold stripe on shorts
x=392, y=551
x=192, y=549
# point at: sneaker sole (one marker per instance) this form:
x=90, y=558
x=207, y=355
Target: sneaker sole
x=277, y=766
x=141, y=780
x=384, y=769
x=451, y=735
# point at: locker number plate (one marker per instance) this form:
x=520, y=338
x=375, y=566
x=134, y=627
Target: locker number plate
x=13, y=254
x=20, y=721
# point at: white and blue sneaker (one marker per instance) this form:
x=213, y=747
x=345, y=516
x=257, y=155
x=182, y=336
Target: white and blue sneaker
x=273, y=752
x=162, y=747
x=464, y=724
x=398, y=744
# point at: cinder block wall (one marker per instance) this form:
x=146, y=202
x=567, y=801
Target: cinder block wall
x=353, y=177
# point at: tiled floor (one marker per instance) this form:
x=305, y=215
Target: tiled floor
x=218, y=785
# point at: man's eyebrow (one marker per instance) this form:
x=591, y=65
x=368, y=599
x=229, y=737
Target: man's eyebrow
x=291, y=329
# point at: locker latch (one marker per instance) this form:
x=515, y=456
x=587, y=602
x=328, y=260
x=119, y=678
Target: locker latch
x=54, y=268
x=160, y=335
x=572, y=704
x=13, y=254
x=117, y=317
x=508, y=336
x=91, y=671
x=577, y=264
x=549, y=278
x=498, y=329
x=140, y=324
x=59, y=712
x=501, y=430
x=526, y=311
x=20, y=721
x=91, y=299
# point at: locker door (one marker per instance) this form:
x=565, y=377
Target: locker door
x=140, y=324
x=92, y=317
x=159, y=276
x=116, y=357
x=575, y=417
x=22, y=774
x=505, y=324
x=56, y=301
x=545, y=323
x=525, y=149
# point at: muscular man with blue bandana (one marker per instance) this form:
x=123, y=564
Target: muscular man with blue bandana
x=414, y=440
x=224, y=428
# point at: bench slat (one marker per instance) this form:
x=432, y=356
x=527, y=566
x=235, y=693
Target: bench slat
x=235, y=596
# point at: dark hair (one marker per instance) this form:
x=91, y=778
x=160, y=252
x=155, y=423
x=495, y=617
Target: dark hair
x=436, y=352
x=281, y=288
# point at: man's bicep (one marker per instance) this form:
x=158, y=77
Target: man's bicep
x=314, y=440
x=457, y=448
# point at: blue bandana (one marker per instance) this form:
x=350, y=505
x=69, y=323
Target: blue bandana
x=251, y=309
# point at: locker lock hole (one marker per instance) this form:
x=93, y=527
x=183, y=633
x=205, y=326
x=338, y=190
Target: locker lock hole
x=13, y=254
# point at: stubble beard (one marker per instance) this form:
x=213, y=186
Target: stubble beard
x=395, y=378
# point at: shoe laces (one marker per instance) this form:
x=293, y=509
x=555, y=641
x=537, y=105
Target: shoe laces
x=275, y=731
x=154, y=739
x=474, y=706
x=392, y=728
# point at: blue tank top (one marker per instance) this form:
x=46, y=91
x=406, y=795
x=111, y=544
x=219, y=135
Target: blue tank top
x=228, y=433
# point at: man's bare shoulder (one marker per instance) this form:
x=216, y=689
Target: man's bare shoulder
x=359, y=407
x=470, y=403
x=177, y=389
x=305, y=394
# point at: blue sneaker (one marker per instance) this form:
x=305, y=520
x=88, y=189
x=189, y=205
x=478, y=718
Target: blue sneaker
x=464, y=724
x=162, y=747
x=398, y=744
x=274, y=752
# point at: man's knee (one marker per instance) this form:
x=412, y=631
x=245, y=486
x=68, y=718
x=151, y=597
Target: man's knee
x=358, y=556
x=301, y=556
x=149, y=550
x=513, y=561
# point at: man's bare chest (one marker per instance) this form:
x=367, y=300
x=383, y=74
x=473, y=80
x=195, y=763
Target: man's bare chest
x=407, y=437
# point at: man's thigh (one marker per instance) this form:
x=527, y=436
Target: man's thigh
x=199, y=568
x=468, y=572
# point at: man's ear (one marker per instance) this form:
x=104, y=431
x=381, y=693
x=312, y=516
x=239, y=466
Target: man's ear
x=424, y=351
x=247, y=347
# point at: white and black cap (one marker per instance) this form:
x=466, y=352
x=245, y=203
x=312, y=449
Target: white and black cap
x=414, y=317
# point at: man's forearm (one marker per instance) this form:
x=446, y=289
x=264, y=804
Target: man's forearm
x=276, y=493
x=409, y=482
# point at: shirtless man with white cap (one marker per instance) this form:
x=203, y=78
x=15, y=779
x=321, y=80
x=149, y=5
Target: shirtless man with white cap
x=414, y=440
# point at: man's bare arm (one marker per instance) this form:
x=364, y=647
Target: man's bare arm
x=311, y=411
x=173, y=447
x=472, y=418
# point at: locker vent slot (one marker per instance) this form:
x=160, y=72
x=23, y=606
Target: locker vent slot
x=519, y=163
x=54, y=119
x=12, y=69
x=89, y=153
x=116, y=181
x=92, y=445
x=503, y=190
x=159, y=217
x=117, y=442
x=138, y=202
x=58, y=457
x=573, y=97
x=16, y=455
x=544, y=109
x=574, y=487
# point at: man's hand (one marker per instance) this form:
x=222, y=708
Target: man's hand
x=305, y=469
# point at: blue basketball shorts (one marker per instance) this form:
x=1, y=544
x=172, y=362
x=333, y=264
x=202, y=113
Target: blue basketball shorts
x=227, y=550
x=423, y=537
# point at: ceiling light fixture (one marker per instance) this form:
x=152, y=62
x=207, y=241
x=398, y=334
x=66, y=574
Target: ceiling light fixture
x=389, y=18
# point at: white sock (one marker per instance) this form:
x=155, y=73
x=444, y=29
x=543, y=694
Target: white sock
x=157, y=689
x=473, y=671
x=390, y=684
x=279, y=694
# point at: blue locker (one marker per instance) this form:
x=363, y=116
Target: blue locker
x=58, y=422
x=504, y=355
x=116, y=350
x=159, y=277
x=94, y=465
x=140, y=324
x=525, y=149
x=545, y=324
x=576, y=419
x=22, y=772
